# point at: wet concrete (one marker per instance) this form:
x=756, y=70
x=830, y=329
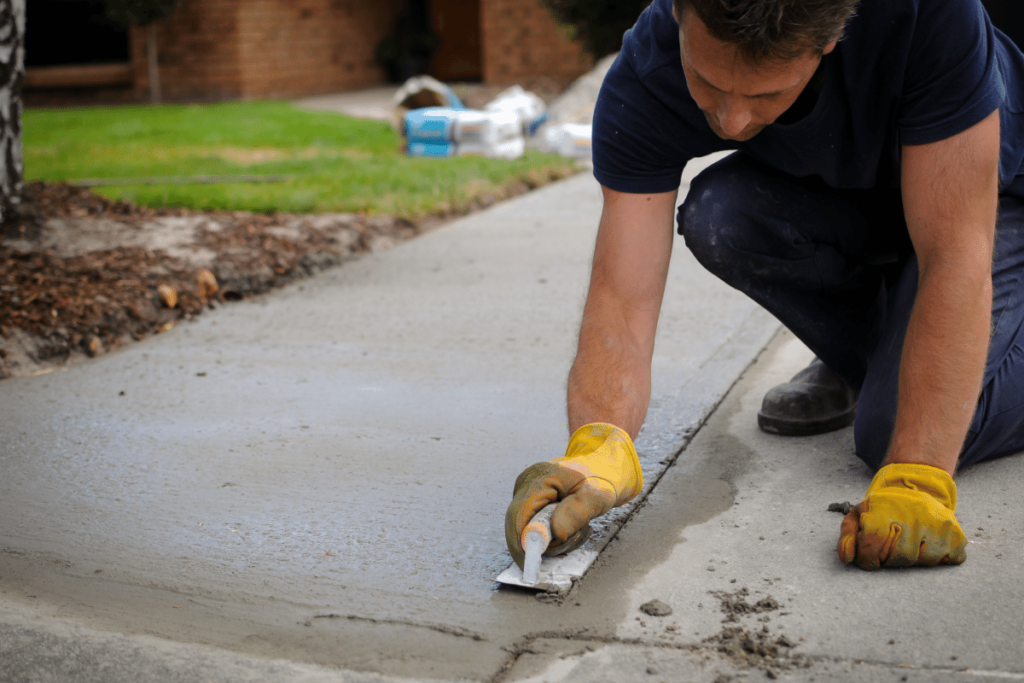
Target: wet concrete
x=276, y=497
x=775, y=541
x=322, y=473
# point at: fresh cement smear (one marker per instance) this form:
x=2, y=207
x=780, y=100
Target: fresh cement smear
x=307, y=608
x=323, y=473
x=206, y=539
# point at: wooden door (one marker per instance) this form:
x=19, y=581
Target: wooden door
x=459, y=56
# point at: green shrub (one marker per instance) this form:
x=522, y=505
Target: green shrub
x=599, y=24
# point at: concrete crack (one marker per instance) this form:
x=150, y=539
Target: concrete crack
x=964, y=670
x=457, y=631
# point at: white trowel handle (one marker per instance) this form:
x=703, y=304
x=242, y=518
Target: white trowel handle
x=536, y=538
x=541, y=523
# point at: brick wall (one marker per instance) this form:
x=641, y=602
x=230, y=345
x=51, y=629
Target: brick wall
x=304, y=47
x=198, y=52
x=228, y=49
x=522, y=41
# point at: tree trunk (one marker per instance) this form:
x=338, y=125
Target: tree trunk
x=12, y=70
x=154, y=65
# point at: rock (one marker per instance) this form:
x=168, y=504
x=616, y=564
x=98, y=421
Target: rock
x=168, y=295
x=656, y=608
x=206, y=284
x=93, y=345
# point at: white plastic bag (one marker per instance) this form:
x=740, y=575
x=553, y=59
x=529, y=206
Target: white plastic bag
x=486, y=127
x=528, y=107
x=570, y=140
x=512, y=148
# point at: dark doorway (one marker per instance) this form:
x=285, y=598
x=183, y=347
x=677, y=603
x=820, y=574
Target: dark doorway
x=1008, y=16
x=459, y=56
x=65, y=32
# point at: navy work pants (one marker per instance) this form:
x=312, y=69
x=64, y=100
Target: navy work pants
x=837, y=268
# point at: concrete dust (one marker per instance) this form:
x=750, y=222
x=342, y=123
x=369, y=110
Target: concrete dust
x=734, y=604
x=751, y=647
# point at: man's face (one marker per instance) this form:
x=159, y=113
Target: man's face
x=738, y=99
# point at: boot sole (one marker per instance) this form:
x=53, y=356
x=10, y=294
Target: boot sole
x=774, y=425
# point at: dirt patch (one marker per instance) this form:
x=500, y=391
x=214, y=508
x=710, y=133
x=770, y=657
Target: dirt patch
x=842, y=508
x=656, y=608
x=81, y=274
x=735, y=605
x=749, y=646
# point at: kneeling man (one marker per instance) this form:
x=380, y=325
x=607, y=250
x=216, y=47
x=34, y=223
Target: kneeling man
x=874, y=205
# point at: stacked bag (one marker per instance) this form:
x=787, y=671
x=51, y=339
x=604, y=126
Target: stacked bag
x=445, y=132
x=449, y=129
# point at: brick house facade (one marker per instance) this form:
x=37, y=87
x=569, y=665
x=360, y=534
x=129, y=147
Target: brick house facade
x=522, y=40
x=253, y=49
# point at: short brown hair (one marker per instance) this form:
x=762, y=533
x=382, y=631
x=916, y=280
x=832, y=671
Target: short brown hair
x=768, y=30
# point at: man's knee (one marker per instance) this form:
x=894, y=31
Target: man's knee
x=709, y=218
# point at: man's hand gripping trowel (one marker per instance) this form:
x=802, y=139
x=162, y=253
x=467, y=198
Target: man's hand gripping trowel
x=552, y=574
x=599, y=471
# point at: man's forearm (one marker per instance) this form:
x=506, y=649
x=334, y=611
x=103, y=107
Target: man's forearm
x=610, y=380
x=943, y=364
x=950, y=196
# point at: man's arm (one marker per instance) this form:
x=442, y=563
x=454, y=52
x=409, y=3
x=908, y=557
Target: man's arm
x=950, y=194
x=610, y=380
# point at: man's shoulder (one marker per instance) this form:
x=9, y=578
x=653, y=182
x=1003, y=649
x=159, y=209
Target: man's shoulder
x=880, y=25
x=653, y=42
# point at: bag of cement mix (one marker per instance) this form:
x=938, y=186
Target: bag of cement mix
x=431, y=124
x=570, y=140
x=419, y=92
x=486, y=128
x=506, y=149
x=441, y=131
x=527, y=106
x=430, y=148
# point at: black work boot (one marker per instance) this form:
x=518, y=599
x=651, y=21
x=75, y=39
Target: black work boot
x=815, y=401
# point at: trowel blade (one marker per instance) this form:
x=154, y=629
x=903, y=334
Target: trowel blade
x=556, y=573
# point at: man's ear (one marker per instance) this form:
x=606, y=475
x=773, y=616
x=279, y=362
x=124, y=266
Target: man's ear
x=828, y=48
x=675, y=12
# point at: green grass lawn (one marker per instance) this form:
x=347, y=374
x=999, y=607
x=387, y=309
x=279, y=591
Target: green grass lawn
x=336, y=163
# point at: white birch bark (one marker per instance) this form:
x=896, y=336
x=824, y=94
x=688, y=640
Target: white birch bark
x=12, y=70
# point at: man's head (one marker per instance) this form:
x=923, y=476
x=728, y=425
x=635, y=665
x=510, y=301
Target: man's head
x=746, y=61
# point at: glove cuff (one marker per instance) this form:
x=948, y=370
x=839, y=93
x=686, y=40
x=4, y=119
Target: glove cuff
x=605, y=451
x=934, y=481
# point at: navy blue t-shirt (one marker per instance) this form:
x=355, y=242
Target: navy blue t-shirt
x=906, y=72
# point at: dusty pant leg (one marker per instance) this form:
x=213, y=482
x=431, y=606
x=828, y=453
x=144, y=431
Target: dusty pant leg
x=796, y=247
x=998, y=425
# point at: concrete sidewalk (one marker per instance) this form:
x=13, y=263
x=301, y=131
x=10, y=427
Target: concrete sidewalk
x=311, y=486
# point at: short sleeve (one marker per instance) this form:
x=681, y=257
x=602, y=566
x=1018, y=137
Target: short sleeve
x=952, y=78
x=629, y=154
x=646, y=125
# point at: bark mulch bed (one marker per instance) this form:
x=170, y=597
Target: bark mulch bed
x=81, y=275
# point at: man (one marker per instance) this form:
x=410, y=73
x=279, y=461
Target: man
x=876, y=145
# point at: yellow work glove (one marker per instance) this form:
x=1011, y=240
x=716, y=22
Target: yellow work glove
x=905, y=519
x=599, y=471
